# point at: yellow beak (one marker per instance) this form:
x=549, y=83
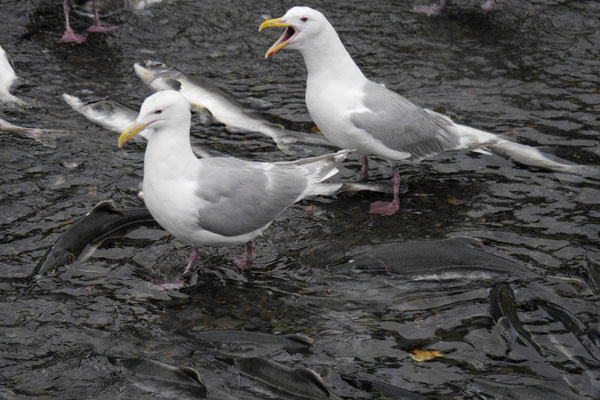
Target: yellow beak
x=280, y=44
x=131, y=131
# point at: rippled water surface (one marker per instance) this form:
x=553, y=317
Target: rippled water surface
x=530, y=69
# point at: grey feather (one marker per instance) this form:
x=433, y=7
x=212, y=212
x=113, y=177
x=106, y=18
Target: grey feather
x=402, y=125
x=251, y=196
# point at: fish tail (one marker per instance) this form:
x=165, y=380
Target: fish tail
x=507, y=331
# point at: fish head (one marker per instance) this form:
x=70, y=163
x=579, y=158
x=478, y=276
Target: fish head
x=56, y=257
x=153, y=70
x=302, y=25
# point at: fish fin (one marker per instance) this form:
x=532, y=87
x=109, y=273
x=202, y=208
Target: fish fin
x=206, y=116
x=192, y=373
x=507, y=331
x=314, y=378
x=105, y=206
x=94, y=99
x=298, y=338
x=483, y=151
x=173, y=83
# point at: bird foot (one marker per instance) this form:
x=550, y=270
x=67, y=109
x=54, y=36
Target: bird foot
x=99, y=28
x=489, y=5
x=71, y=37
x=168, y=285
x=242, y=262
x=384, y=207
x=427, y=10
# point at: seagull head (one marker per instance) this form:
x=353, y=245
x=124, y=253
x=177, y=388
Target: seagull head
x=302, y=25
x=163, y=109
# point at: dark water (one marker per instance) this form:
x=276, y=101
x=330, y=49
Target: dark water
x=530, y=69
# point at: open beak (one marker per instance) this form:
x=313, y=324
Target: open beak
x=285, y=39
x=131, y=131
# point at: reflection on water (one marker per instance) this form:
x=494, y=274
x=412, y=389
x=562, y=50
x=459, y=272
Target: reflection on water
x=528, y=70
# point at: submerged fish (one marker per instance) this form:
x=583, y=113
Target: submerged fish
x=503, y=309
x=434, y=259
x=98, y=224
x=518, y=391
x=293, y=341
x=158, y=377
x=7, y=78
x=301, y=382
x=588, y=337
x=223, y=107
x=381, y=388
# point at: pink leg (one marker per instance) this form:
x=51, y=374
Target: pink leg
x=489, y=5
x=98, y=27
x=69, y=36
x=433, y=9
x=245, y=262
x=179, y=282
x=192, y=261
x=389, y=208
x=364, y=171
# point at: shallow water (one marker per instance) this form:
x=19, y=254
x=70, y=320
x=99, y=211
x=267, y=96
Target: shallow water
x=529, y=69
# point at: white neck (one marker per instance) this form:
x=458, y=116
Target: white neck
x=168, y=153
x=327, y=58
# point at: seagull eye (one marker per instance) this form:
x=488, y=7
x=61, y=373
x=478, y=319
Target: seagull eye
x=303, y=19
x=157, y=111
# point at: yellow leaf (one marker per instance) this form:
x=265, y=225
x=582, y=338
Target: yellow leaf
x=426, y=355
x=315, y=129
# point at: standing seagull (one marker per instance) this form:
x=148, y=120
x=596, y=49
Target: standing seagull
x=356, y=113
x=218, y=200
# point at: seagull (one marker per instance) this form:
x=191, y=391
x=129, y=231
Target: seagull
x=216, y=200
x=356, y=113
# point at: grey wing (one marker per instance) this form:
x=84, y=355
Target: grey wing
x=402, y=125
x=239, y=196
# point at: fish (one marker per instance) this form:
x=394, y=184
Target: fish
x=291, y=341
x=112, y=115
x=102, y=110
x=223, y=107
x=519, y=390
x=503, y=310
x=447, y=259
x=33, y=133
x=7, y=78
x=157, y=377
x=381, y=388
x=587, y=336
x=533, y=157
x=100, y=223
x=301, y=382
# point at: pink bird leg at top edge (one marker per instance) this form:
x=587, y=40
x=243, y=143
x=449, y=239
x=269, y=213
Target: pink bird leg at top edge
x=388, y=208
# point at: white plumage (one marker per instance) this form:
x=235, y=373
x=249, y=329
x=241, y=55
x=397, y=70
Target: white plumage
x=217, y=200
